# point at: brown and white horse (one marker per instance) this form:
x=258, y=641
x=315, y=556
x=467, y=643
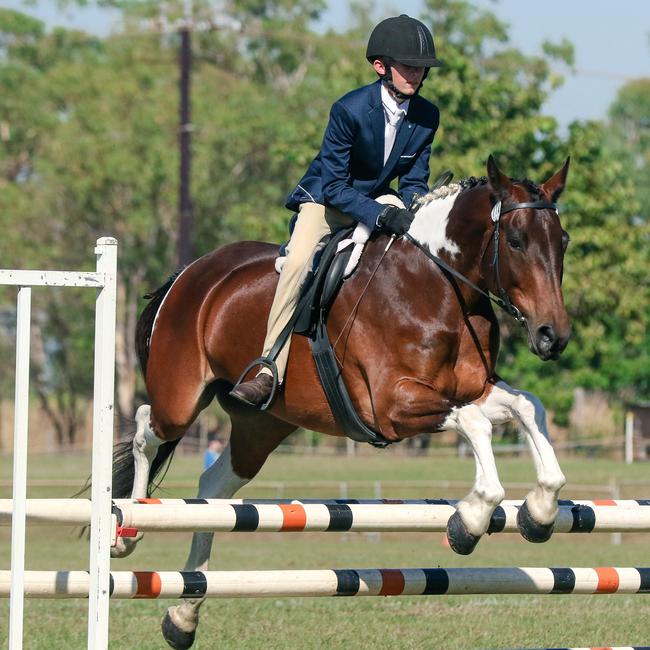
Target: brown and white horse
x=417, y=346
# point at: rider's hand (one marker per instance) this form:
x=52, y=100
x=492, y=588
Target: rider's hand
x=395, y=220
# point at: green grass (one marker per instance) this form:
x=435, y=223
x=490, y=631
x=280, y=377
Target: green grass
x=449, y=623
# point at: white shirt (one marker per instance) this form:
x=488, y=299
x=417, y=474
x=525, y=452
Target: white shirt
x=393, y=115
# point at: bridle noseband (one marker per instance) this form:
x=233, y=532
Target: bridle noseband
x=503, y=300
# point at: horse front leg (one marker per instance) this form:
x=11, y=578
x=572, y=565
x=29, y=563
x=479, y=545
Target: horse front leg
x=536, y=517
x=217, y=482
x=415, y=408
x=473, y=513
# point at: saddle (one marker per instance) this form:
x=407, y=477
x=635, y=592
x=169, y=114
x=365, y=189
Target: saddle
x=310, y=320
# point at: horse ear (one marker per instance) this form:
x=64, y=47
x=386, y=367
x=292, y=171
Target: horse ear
x=501, y=185
x=554, y=186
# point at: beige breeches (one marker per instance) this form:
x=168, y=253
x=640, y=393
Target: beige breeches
x=313, y=223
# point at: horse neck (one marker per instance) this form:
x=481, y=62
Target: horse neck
x=461, y=237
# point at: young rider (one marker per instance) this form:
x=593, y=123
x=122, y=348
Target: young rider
x=375, y=134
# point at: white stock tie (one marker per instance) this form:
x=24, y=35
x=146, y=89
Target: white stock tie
x=394, y=120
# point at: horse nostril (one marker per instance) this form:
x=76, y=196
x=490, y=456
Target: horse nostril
x=546, y=337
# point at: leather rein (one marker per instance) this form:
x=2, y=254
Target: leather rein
x=503, y=300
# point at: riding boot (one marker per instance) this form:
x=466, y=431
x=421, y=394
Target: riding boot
x=254, y=392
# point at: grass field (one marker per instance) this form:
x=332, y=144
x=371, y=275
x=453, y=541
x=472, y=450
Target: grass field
x=450, y=623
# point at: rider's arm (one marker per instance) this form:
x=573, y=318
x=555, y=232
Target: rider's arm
x=336, y=178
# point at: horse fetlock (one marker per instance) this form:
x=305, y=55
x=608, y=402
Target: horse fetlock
x=542, y=504
x=552, y=483
x=476, y=514
x=490, y=496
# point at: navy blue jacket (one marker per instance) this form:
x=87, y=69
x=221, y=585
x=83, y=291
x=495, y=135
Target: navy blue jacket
x=348, y=172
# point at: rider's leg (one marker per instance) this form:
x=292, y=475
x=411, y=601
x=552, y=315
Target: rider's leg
x=313, y=223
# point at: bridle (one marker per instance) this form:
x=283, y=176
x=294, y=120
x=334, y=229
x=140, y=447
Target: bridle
x=497, y=211
x=503, y=299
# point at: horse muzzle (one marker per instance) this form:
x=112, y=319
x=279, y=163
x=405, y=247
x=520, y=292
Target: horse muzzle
x=547, y=343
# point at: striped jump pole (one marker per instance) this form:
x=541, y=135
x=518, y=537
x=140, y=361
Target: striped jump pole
x=429, y=515
x=339, y=582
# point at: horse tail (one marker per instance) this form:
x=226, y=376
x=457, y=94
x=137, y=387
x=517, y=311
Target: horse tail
x=145, y=323
x=124, y=466
x=123, y=462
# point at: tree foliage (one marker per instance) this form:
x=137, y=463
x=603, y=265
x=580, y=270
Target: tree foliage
x=88, y=147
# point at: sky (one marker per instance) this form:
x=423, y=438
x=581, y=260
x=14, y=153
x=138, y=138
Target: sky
x=611, y=40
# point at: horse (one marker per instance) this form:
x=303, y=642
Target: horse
x=416, y=336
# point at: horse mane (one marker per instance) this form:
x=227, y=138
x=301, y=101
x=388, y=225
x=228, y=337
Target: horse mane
x=147, y=318
x=470, y=183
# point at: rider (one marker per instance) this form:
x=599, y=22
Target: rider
x=375, y=134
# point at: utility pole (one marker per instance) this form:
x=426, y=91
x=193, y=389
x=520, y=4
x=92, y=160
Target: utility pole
x=184, y=245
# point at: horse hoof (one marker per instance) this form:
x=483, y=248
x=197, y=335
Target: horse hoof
x=530, y=529
x=460, y=539
x=175, y=637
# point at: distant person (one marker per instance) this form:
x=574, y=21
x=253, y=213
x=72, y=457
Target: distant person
x=375, y=134
x=212, y=452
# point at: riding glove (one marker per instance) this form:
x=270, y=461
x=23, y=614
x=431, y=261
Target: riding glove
x=395, y=220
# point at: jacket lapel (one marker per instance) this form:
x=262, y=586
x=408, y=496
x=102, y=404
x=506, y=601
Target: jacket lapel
x=376, y=114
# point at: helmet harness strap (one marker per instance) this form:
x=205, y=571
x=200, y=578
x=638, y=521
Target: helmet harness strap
x=387, y=78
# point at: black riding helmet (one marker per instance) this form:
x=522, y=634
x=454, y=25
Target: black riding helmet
x=405, y=40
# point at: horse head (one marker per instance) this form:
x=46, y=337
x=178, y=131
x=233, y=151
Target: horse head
x=524, y=260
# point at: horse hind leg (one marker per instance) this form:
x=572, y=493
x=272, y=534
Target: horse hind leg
x=253, y=437
x=143, y=450
x=473, y=513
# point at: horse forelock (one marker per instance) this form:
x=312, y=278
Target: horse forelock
x=431, y=218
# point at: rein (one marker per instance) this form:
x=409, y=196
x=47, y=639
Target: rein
x=503, y=300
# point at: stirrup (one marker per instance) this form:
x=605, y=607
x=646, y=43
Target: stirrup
x=265, y=362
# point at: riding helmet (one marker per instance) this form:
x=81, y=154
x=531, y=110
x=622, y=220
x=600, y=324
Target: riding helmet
x=404, y=39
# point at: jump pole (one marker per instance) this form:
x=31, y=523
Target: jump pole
x=339, y=582
x=223, y=515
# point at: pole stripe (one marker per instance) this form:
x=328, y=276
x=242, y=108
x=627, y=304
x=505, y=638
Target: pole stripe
x=564, y=581
x=584, y=519
x=195, y=584
x=644, y=587
x=608, y=580
x=347, y=582
x=393, y=582
x=497, y=521
x=437, y=582
x=149, y=584
x=247, y=518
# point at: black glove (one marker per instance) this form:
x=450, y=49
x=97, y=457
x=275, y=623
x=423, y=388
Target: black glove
x=395, y=220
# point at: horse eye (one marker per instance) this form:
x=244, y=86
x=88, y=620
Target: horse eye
x=515, y=243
